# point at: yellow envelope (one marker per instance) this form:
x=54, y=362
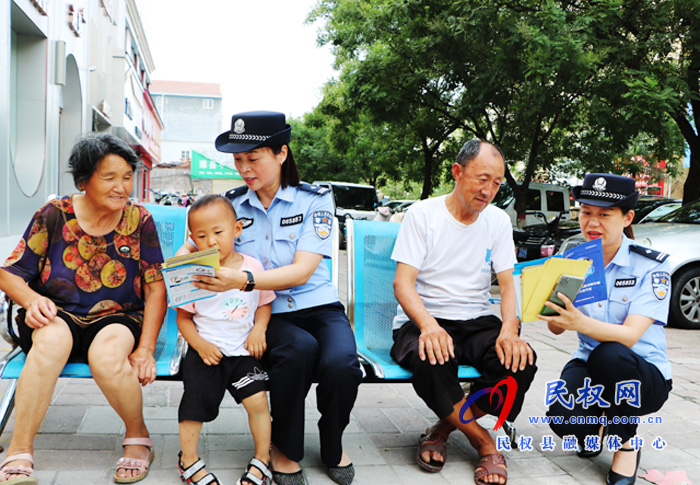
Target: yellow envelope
x=552, y=269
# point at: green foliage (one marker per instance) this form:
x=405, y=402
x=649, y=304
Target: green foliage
x=562, y=86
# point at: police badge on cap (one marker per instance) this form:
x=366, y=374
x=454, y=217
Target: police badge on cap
x=254, y=129
x=607, y=190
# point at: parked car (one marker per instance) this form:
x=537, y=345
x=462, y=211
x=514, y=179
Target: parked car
x=545, y=239
x=661, y=211
x=351, y=200
x=678, y=234
x=548, y=199
x=646, y=205
x=395, y=204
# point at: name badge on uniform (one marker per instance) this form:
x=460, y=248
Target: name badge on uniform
x=245, y=222
x=660, y=283
x=292, y=221
x=625, y=282
x=323, y=223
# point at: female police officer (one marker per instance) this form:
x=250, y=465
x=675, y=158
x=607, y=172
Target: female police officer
x=287, y=226
x=622, y=343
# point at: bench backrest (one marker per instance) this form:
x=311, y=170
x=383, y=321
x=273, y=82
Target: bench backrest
x=371, y=301
x=171, y=223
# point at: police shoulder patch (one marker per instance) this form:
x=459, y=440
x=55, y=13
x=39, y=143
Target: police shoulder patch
x=660, y=284
x=323, y=223
x=649, y=253
x=233, y=193
x=314, y=189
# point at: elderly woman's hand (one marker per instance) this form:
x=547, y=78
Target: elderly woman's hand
x=144, y=365
x=40, y=312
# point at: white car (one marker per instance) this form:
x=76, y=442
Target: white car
x=678, y=234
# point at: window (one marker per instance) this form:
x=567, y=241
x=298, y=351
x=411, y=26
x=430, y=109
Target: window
x=208, y=103
x=555, y=201
x=534, y=200
x=185, y=155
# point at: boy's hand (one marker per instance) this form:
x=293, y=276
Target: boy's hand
x=256, y=343
x=209, y=353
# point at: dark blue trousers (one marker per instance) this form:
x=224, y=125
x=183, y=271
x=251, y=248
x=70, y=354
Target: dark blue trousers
x=314, y=344
x=609, y=364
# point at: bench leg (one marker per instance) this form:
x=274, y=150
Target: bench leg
x=7, y=404
x=509, y=429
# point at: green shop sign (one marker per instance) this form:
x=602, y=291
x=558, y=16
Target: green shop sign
x=204, y=168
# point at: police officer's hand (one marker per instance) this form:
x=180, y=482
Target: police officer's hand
x=513, y=352
x=225, y=279
x=569, y=317
x=435, y=344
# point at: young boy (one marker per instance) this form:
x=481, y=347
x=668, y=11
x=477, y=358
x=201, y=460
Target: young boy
x=226, y=334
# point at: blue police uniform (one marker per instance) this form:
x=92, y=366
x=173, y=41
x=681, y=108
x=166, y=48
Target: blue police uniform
x=309, y=336
x=638, y=283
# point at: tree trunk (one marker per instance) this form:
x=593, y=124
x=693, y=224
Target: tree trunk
x=427, y=171
x=691, y=188
x=521, y=205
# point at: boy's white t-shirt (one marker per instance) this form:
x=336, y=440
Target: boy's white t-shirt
x=454, y=259
x=227, y=318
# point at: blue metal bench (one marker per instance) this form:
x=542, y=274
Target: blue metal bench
x=171, y=224
x=371, y=301
x=372, y=304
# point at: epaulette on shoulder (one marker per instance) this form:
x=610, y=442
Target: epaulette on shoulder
x=649, y=253
x=314, y=189
x=233, y=193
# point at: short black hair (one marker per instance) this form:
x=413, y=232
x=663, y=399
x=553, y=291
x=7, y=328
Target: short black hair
x=471, y=149
x=209, y=199
x=91, y=149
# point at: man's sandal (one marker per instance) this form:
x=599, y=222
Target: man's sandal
x=186, y=474
x=135, y=464
x=27, y=471
x=493, y=464
x=432, y=442
x=250, y=478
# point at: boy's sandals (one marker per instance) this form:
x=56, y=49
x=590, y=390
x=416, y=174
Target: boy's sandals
x=135, y=464
x=493, y=464
x=250, y=478
x=27, y=471
x=186, y=474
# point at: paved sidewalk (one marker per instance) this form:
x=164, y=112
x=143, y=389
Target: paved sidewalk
x=79, y=441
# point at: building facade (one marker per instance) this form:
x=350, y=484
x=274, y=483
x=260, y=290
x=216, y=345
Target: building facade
x=192, y=115
x=68, y=68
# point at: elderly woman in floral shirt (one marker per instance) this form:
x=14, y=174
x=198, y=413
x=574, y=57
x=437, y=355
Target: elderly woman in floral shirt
x=87, y=275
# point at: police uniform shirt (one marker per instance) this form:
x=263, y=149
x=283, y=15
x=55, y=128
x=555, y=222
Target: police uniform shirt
x=298, y=219
x=638, y=283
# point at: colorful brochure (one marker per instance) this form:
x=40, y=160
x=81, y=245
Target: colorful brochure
x=180, y=273
x=535, y=280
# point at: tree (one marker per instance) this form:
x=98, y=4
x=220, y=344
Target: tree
x=656, y=51
x=529, y=76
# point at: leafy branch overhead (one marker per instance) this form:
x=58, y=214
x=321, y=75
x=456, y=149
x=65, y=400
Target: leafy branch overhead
x=551, y=82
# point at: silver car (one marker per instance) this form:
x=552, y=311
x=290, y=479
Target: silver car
x=678, y=234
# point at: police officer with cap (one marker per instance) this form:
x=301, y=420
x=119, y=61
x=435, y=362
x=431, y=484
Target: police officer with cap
x=287, y=226
x=621, y=362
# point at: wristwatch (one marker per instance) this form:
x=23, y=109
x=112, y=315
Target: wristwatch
x=251, y=281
